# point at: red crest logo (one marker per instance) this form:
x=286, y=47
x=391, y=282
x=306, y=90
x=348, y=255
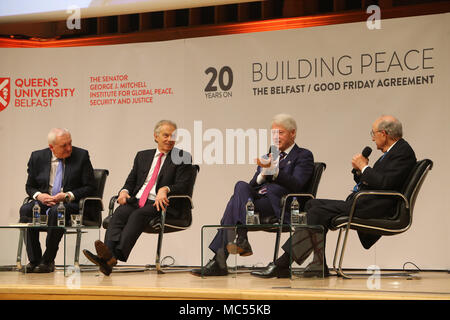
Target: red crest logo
x=5, y=92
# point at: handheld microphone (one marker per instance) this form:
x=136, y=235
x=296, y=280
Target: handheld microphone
x=365, y=153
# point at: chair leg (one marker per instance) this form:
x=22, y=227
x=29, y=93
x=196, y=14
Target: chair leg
x=19, y=249
x=341, y=273
x=277, y=245
x=341, y=258
x=77, y=249
x=337, y=250
x=160, y=239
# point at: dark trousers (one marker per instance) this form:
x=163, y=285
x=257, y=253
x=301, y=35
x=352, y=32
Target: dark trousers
x=54, y=235
x=126, y=225
x=235, y=213
x=305, y=241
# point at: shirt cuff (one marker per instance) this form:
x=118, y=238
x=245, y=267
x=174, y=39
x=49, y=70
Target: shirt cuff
x=36, y=195
x=260, y=179
x=362, y=171
x=71, y=196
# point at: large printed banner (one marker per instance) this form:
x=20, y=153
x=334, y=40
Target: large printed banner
x=222, y=92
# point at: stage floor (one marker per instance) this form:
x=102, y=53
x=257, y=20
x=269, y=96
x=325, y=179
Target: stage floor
x=183, y=285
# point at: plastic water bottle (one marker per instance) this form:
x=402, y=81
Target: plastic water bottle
x=61, y=212
x=250, y=212
x=36, y=214
x=295, y=211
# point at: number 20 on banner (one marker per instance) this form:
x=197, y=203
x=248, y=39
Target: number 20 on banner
x=223, y=78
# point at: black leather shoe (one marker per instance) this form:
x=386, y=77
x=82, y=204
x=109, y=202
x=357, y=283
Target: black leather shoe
x=45, y=267
x=314, y=269
x=241, y=246
x=272, y=271
x=211, y=269
x=29, y=268
x=105, y=267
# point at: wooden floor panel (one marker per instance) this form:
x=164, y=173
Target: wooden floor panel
x=183, y=285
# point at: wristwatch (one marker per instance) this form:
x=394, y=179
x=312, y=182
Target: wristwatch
x=67, y=198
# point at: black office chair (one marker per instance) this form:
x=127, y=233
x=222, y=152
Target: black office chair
x=310, y=193
x=164, y=224
x=90, y=209
x=399, y=223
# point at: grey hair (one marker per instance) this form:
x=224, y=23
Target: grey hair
x=163, y=122
x=393, y=128
x=286, y=121
x=56, y=132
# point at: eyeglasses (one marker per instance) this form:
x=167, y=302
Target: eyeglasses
x=372, y=133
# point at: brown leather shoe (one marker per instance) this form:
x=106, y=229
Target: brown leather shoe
x=102, y=250
x=241, y=247
x=105, y=266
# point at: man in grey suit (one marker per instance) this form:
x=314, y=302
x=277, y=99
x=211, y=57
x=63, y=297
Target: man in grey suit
x=388, y=173
x=156, y=173
x=59, y=173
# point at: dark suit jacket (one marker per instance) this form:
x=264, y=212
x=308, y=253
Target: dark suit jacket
x=78, y=173
x=175, y=176
x=389, y=173
x=295, y=171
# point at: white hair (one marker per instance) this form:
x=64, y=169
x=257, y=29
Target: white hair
x=285, y=120
x=56, y=132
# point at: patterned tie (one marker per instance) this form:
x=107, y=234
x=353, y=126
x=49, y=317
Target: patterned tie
x=57, y=182
x=150, y=184
x=263, y=190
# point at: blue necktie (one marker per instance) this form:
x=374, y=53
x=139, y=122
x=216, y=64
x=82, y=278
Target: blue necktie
x=57, y=182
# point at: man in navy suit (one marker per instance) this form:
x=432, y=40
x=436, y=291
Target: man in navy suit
x=77, y=181
x=286, y=169
x=389, y=172
x=156, y=173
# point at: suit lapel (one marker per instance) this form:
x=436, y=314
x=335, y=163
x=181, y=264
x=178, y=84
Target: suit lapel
x=163, y=169
x=381, y=160
x=289, y=157
x=48, y=164
x=67, y=167
x=148, y=161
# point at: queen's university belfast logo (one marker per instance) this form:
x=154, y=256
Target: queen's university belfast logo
x=5, y=93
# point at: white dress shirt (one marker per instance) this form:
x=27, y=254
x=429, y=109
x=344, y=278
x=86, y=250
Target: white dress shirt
x=273, y=169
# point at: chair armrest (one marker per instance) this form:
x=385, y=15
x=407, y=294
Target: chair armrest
x=284, y=199
x=290, y=195
x=383, y=193
x=112, y=202
x=183, y=197
x=27, y=200
x=86, y=199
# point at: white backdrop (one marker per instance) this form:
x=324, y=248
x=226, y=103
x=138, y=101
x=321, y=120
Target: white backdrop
x=171, y=77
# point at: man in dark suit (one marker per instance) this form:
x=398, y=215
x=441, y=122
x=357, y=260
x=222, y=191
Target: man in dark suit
x=59, y=173
x=286, y=169
x=388, y=173
x=155, y=174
